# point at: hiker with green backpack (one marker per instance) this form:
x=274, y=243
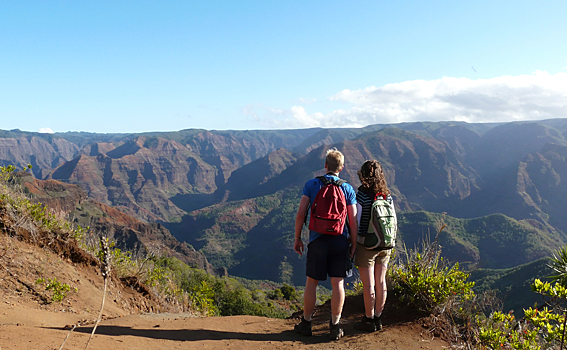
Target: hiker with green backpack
x=377, y=227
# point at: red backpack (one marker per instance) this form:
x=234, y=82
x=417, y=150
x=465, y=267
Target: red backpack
x=329, y=209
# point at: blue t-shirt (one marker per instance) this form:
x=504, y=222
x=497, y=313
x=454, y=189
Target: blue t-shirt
x=311, y=189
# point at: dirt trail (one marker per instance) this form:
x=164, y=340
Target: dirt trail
x=182, y=331
x=28, y=321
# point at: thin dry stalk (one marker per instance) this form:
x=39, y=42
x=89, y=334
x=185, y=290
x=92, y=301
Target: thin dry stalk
x=105, y=270
x=67, y=337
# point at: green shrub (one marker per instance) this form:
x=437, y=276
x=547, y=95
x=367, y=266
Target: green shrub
x=58, y=290
x=541, y=327
x=212, y=295
x=276, y=294
x=203, y=299
x=501, y=331
x=427, y=281
x=288, y=292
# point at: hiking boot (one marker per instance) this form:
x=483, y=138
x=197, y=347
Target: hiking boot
x=335, y=331
x=378, y=322
x=303, y=327
x=366, y=324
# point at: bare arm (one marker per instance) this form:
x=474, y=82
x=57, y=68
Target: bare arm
x=299, y=219
x=353, y=227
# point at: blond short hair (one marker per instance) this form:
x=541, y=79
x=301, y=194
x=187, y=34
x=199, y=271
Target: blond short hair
x=335, y=160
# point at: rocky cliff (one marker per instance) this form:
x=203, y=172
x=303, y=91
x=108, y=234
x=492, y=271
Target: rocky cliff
x=127, y=232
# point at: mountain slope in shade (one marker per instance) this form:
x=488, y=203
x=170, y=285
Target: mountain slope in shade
x=97, y=148
x=507, y=144
x=246, y=182
x=494, y=241
x=542, y=182
x=255, y=174
x=513, y=285
x=327, y=137
x=421, y=172
x=42, y=154
x=129, y=233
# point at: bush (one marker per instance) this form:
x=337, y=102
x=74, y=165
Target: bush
x=212, y=295
x=276, y=294
x=288, y=292
x=58, y=290
x=427, y=281
x=423, y=280
x=541, y=328
x=500, y=330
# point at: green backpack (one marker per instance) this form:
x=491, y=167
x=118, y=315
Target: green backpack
x=383, y=226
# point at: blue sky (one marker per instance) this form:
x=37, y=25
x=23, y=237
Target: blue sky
x=135, y=66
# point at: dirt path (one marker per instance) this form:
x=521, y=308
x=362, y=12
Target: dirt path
x=27, y=328
x=28, y=322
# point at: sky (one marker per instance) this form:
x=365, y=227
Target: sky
x=138, y=66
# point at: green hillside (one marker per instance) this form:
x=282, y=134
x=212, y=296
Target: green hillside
x=513, y=285
x=494, y=241
x=254, y=238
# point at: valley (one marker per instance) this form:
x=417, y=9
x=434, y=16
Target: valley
x=225, y=201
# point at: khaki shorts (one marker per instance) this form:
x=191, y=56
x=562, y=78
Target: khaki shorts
x=368, y=258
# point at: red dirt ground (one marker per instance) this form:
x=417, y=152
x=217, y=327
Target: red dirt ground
x=130, y=322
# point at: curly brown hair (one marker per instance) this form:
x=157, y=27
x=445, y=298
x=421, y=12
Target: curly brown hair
x=372, y=177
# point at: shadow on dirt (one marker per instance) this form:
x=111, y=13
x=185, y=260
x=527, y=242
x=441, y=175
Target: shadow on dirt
x=201, y=334
x=353, y=310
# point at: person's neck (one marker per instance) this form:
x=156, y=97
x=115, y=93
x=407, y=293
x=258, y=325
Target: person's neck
x=332, y=173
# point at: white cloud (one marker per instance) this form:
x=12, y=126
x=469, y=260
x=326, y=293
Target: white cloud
x=306, y=100
x=294, y=118
x=45, y=131
x=526, y=97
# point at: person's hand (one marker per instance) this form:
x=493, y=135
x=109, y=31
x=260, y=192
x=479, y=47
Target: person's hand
x=352, y=249
x=298, y=246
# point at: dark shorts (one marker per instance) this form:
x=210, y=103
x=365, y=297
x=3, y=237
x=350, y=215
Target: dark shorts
x=328, y=255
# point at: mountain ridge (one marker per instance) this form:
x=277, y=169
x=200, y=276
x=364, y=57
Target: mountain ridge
x=465, y=170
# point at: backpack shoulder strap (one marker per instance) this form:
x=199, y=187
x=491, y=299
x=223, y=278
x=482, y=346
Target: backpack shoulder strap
x=379, y=195
x=325, y=180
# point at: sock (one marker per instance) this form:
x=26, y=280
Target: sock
x=377, y=315
x=335, y=319
x=307, y=317
x=370, y=317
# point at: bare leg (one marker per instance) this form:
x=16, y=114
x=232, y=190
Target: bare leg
x=338, y=297
x=310, y=297
x=381, y=288
x=367, y=278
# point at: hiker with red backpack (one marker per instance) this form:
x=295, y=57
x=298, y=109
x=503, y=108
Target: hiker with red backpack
x=377, y=227
x=332, y=242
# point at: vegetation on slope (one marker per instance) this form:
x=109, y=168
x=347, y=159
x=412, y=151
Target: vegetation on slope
x=513, y=285
x=494, y=241
x=175, y=285
x=420, y=278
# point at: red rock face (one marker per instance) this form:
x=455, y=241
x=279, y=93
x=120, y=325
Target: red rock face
x=41, y=154
x=141, y=175
x=127, y=232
